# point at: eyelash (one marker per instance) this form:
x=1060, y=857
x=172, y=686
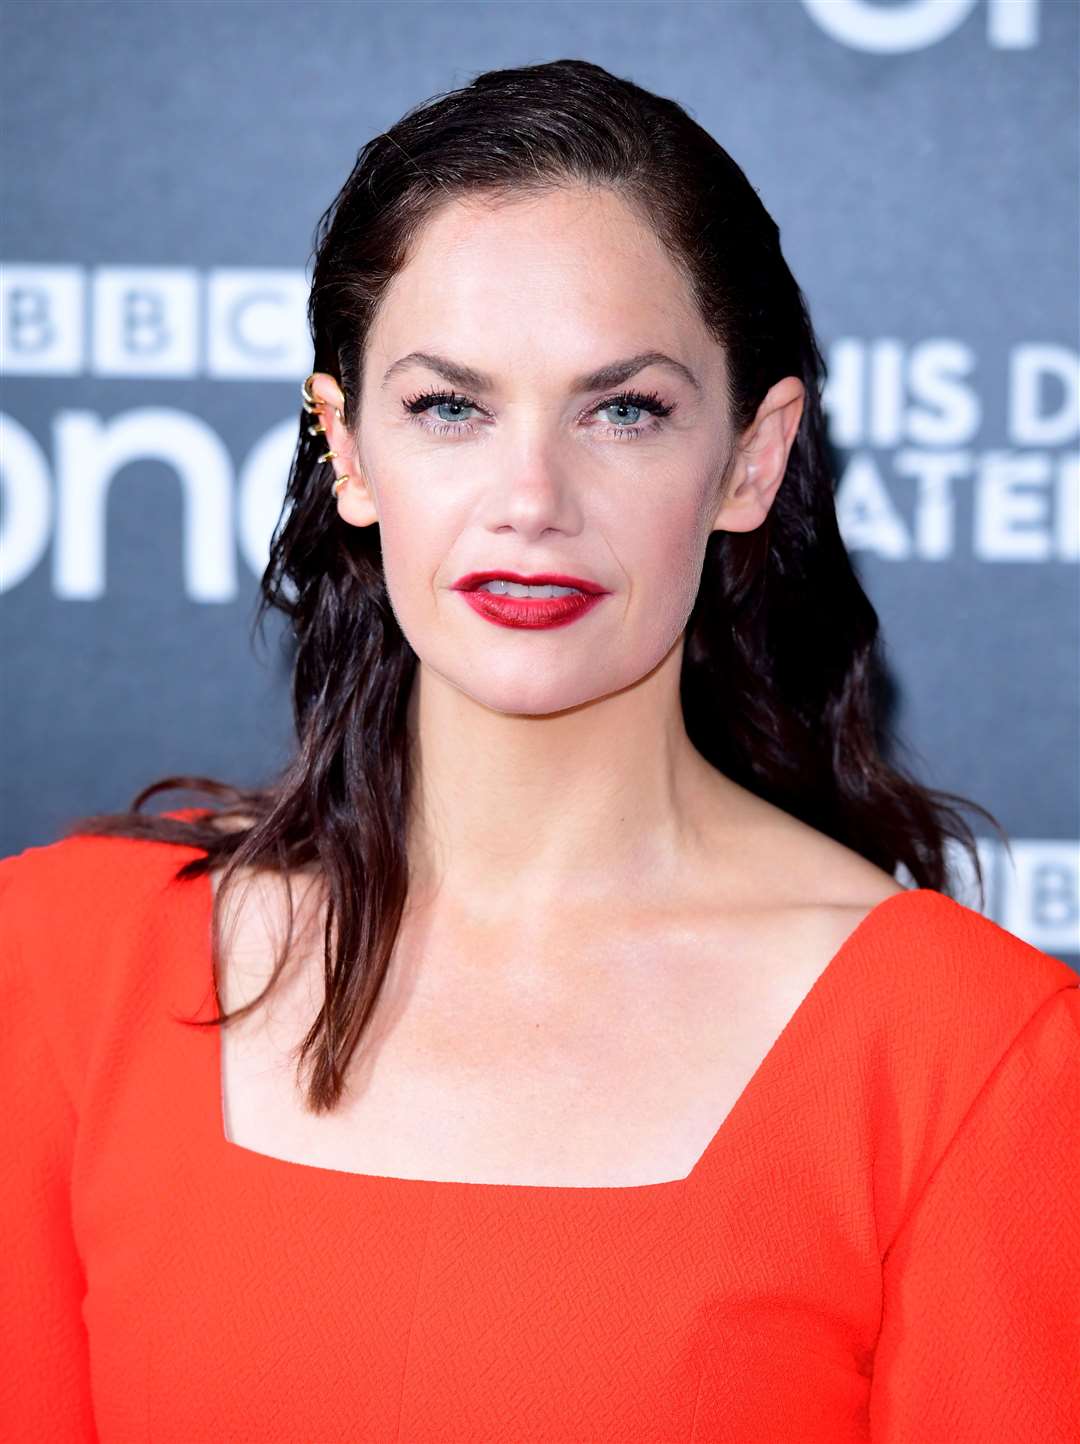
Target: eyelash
x=415, y=406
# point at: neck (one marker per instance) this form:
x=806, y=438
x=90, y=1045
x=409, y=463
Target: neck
x=601, y=802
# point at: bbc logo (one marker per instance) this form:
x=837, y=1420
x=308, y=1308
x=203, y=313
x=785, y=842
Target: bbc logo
x=147, y=321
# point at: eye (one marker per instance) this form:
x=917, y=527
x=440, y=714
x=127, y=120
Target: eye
x=454, y=425
x=415, y=407
x=635, y=401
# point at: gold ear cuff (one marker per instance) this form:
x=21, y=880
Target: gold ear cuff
x=314, y=406
x=311, y=403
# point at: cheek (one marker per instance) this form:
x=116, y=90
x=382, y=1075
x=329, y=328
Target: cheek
x=415, y=542
x=670, y=568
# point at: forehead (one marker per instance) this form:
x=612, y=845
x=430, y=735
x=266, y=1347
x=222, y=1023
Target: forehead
x=574, y=271
x=583, y=216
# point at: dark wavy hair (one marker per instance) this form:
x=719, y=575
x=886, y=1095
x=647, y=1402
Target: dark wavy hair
x=782, y=681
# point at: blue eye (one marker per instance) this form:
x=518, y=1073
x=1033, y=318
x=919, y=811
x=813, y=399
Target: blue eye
x=454, y=403
x=636, y=401
x=417, y=406
x=627, y=403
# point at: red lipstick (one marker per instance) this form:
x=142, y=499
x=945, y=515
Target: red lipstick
x=471, y=580
x=529, y=611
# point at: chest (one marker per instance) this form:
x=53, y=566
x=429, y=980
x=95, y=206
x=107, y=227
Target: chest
x=606, y=1058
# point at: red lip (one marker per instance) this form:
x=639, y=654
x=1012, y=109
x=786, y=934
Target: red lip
x=471, y=580
x=530, y=612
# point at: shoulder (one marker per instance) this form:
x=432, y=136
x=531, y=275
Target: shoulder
x=68, y=882
x=942, y=990
x=937, y=998
x=938, y=951
x=917, y=947
x=86, y=922
x=928, y=997
x=73, y=911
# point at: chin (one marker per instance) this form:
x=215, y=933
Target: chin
x=531, y=698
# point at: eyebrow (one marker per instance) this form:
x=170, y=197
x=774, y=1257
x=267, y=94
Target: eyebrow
x=613, y=374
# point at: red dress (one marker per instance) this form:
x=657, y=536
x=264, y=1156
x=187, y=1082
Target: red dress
x=879, y=1243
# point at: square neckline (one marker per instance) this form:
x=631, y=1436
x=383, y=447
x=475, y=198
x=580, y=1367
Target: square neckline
x=320, y=1173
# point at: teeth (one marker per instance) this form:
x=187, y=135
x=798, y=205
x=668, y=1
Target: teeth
x=503, y=588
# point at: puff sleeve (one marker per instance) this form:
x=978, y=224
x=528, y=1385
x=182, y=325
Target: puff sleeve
x=45, y=1375
x=980, y=1332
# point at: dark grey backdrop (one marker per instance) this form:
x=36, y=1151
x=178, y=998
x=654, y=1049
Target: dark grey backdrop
x=164, y=168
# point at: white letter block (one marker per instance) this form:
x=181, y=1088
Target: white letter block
x=41, y=320
x=257, y=324
x=145, y=321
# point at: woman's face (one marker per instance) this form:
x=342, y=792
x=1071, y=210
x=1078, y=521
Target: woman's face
x=527, y=467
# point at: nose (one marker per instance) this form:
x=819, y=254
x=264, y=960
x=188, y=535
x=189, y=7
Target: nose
x=531, y=495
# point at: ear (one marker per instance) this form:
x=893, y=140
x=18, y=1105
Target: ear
x=761, y=457
x=355, y=500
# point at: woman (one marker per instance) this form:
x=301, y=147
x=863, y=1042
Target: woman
x=585, y=1072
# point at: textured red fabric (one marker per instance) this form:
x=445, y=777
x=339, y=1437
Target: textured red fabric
x=880, y=1241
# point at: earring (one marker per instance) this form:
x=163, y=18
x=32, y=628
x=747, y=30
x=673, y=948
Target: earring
x=312, y=404
x=339, y=481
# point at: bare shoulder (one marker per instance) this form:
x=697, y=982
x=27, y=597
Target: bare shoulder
x=790, y=862
x=260, y=910
x=789, y=894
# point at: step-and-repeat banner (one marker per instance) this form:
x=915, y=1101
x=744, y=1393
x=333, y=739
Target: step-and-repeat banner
x=165, y=166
